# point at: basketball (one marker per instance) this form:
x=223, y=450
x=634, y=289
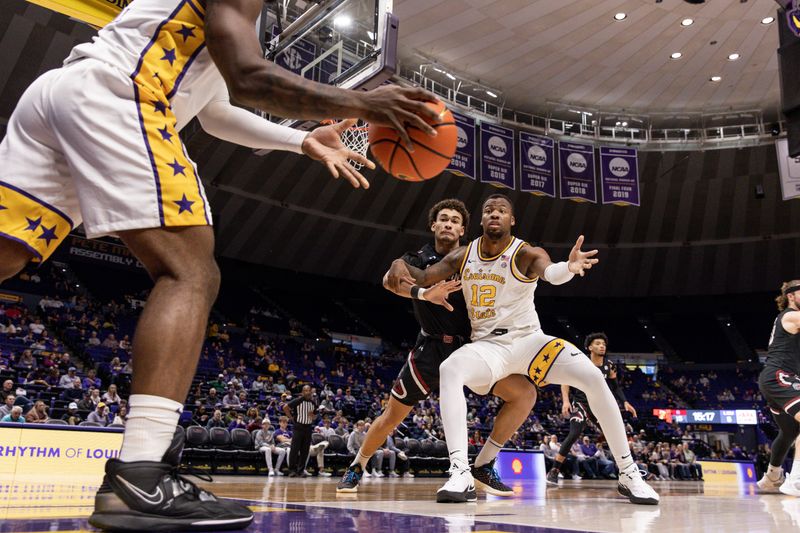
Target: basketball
x=431, y=154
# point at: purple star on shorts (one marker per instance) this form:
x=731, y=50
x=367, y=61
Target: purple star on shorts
x=184, y=205
x=48, y=234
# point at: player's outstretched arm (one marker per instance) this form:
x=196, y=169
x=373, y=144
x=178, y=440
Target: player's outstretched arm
x=254, y=81
x=401, y=276
x=534, y=262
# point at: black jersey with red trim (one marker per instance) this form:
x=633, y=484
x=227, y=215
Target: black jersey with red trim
x=606, y=368
x=435, y=319
x=784, y=348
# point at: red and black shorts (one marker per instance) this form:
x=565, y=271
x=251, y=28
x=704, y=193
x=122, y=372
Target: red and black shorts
x=781, y=388
x=420, y=375
x=581, y=413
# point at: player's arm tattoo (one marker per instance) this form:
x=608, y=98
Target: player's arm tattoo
x=442, y=270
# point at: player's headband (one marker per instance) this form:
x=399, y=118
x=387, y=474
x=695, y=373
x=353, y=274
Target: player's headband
x=793, y=288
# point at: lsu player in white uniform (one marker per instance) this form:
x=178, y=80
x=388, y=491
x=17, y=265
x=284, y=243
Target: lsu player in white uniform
x=499, y=274
x=96, y=142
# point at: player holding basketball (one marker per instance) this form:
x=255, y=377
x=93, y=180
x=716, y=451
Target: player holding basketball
x=779, y=382
x=499, y=274
x=445, y=327
x=96, y=141
x=578, y=410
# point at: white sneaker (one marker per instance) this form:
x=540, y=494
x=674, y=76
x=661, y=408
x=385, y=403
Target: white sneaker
x=378, y=473
x=408, y=474
x=402, y=456
x=791, y=486
x=393, y=474
x=576, y=477
x=367, y=474
x=460, y=488
x=768, y=486
x=271, y=473
x=279, y=473
x=632, y=486
x=324, y=474
x=560, y=475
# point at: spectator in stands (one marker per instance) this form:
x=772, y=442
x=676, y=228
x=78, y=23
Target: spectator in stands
x=216, y=420
x=91, y=380
x=354, y=442
x=52, y=378
x=36, y=327
x=680, y=467
x=212, y=399
x=265, y=443
x=26, y=361
x=238, y=423
x=319, y=363
x=127, y=368
x=64, y=362
x=99, y=415
x=8, y=388
x=325, y=429
x=516, y=441
x=121, y=416
x=230, y=399
x=37, y=414
x=93, y=340
x=111, y=342
x=243, y=402
x=659, y=462
x=37, y=376
x=72, y=417
x=477, y=439
x=14, y=416
x=111, y=396
x=200, y=415
x=67, y=381
x=8, y=405
x=283, y=437
x=318, y=451
x=691, y=460
x=588, y=463
x=605, y=466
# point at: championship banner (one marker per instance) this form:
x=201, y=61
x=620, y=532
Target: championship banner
x=619, y=176
x=98, y=13
x=577, y=172
x=497, y=155
x=464, y=162
x=537, y=164
x=99, y=252
x=789, y=168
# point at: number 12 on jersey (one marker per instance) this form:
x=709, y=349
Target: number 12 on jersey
x=483, y=295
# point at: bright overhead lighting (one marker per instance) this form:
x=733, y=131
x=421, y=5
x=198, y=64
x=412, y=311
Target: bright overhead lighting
x=715, y=79
x=620, y=16
x=687, y=22
x=676, y=55
x=450, y=76
x=734, y=56
x=342, y=20
x=767, y=20
x=490, y=93
x=437, y=69
x=624, y=124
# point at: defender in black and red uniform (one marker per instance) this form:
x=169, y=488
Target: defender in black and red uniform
x=578, y=410
x=779, y=382
x=442, y=315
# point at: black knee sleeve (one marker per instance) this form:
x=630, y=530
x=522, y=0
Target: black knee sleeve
x=789, y=429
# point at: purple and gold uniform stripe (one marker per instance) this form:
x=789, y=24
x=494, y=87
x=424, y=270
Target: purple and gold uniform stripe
x=544, y=359
x=162, y=66
x=35, y=224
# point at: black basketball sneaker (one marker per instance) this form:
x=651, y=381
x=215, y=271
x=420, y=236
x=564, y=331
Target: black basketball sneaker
x=552, y=476
x=149, y=495
x=488, y=479
x=350, y=479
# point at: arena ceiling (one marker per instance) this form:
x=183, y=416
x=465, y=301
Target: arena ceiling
x=539, y=54
x=700, y=229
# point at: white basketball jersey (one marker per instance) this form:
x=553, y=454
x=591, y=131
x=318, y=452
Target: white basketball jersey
x=161, y=45
x=498, y=295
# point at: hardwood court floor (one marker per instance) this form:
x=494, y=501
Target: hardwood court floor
x=408, y=506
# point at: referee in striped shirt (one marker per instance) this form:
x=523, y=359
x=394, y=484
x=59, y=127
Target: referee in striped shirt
x=303, y=412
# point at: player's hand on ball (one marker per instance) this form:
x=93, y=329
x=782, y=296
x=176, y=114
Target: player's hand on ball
x=324, y=144
x=400, y=108
x=438, y=293
x=399, y=274
x=580, y=261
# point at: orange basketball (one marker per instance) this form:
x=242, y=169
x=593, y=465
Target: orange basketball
x=431, y=155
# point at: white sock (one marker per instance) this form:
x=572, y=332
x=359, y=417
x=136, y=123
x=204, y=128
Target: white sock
x=774, y=472
x=361, y=459
x=488, y=452
x=581, y=373
x=795, y=473
x=150, y=427
x=457, y=371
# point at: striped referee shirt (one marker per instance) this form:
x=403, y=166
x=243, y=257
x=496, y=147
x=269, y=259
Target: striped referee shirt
x=304, y=411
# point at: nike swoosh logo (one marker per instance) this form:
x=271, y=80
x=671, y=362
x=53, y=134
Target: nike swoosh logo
x=573, y=354
x=149, y=498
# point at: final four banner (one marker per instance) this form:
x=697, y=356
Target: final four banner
x=537, y=164
x=464, y=162
x=577, y=172
x=619, y=176
x=497, y=155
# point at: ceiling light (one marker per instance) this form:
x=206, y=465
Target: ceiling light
x=450, y=76
x=676, y=55
x=734, y=56
x=687, y=22
x=620, y=16
x=618, y=123
x=437, y=69
x=767, y=20
x=342, y=20
x=490, y=93
x=715, y=79
x=624, y=124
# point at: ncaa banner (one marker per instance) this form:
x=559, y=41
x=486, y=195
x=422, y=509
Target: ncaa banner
x=497, y=155
x=789, y=168
x=577, y=172
x=464, y=162
x=537, y=164
x=619, y=176
x=98, y=13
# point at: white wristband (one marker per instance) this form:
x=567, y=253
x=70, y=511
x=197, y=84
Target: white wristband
x=421, y=294
x=558, y=273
